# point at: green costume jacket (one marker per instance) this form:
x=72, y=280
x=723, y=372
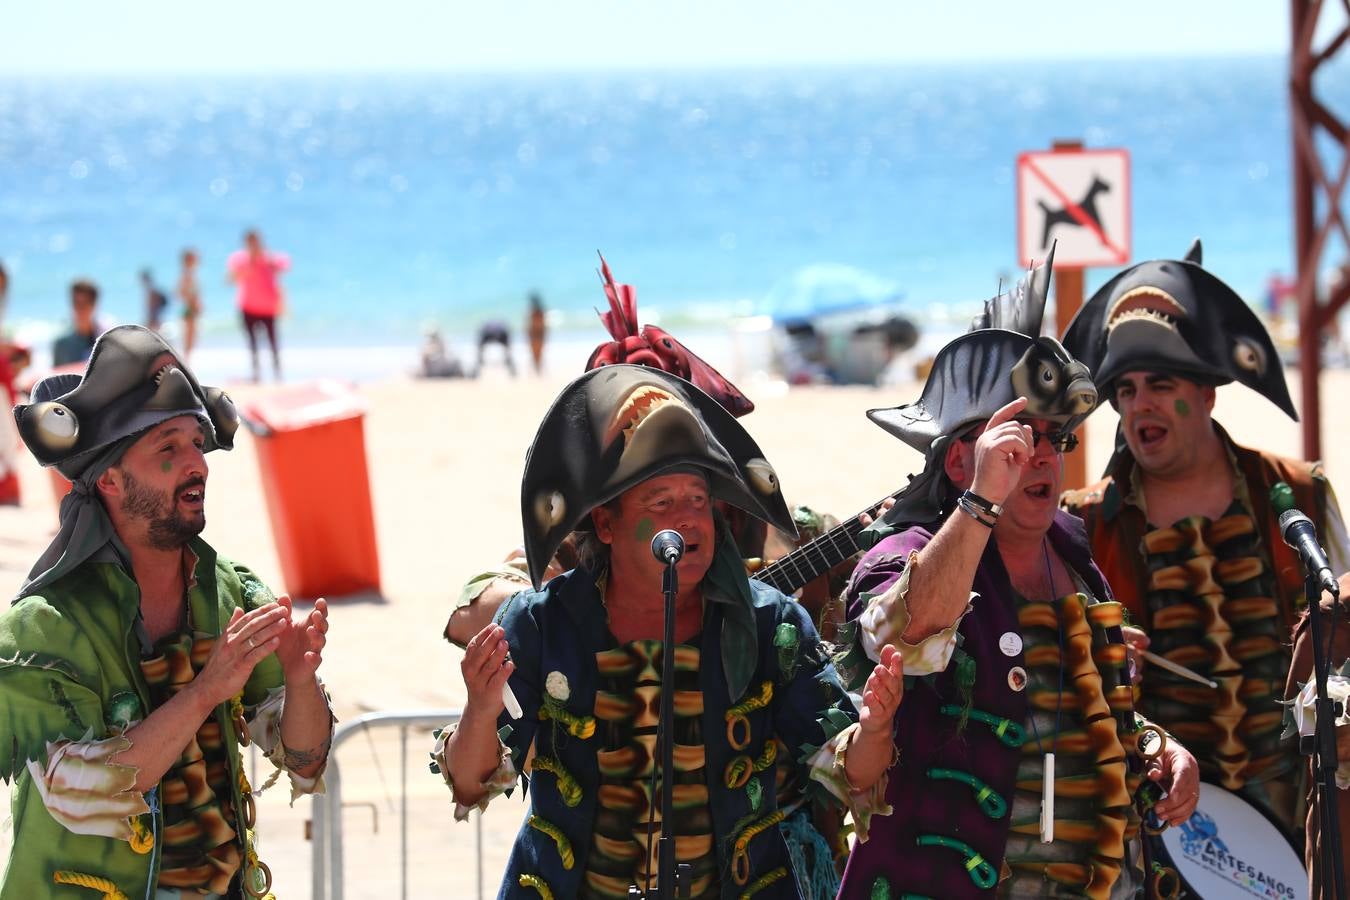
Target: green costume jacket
x=69, y=670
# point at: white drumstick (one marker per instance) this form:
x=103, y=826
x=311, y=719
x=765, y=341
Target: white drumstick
x=1178, y=669
x=512, y=704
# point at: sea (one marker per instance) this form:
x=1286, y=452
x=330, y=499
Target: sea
x=408, y=202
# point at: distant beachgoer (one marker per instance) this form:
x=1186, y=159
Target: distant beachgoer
x=76, y=345
x=1278, y=291
x=437, y=361
x=9, y=437
x=156, y=301
x=495, y=332
x=536, y=326
x=190, y=293
x=4, y=294
x=255, y=270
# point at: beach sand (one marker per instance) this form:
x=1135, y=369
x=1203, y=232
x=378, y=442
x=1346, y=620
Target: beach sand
x=445, y=461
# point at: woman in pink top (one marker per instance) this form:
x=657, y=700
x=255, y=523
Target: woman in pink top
x=255, y=271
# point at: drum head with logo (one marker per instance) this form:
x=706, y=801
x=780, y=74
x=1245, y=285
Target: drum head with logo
x=1228, y=849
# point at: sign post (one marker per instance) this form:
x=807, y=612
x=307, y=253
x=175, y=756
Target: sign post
x=1079, y=201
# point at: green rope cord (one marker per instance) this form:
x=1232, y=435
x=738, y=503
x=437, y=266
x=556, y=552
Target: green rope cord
x=981, y=872
x=749, y=705
x=767, y=756
x=991, y=802
x=564, y=845
x=1009, y=732
x=567, y=785
x=539, y=884
x=764, y=881
x=577, y=726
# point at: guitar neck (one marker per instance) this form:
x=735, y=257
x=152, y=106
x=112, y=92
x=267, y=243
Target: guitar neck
x=814, y=558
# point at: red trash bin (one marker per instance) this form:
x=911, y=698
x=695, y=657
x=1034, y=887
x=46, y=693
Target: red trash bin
x=312, y=455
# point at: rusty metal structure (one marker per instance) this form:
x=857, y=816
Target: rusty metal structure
x=1319, y=194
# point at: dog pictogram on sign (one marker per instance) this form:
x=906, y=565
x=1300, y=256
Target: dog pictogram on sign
x=1078, y=200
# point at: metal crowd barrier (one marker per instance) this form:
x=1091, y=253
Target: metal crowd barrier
x=326, y=868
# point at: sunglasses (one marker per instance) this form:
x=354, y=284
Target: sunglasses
x=1060, y=441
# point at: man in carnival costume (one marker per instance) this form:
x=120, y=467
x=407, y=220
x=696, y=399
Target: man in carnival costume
x=818, y=830
x=1011, y=641
x=648, y=345
x=625, y=452
x=135, y=661
x=1186, y=523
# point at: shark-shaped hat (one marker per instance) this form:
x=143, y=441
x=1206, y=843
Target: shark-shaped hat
x=619, y=425
x=1001, y=358
x=1169, y=315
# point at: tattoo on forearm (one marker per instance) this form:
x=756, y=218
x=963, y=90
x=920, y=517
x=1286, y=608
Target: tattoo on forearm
x=303, y=759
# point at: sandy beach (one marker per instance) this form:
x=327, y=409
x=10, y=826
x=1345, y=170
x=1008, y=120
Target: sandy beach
x=445, y=460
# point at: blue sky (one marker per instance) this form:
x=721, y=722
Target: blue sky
x=162, y=36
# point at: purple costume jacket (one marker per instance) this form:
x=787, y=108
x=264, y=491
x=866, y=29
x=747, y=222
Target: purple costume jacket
x=927, y=737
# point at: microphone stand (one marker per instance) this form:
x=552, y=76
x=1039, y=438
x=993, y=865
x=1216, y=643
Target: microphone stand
x=668, y=880
x=1323, y=750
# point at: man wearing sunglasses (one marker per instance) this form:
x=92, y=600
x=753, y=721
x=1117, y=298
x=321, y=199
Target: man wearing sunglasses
x=989, y=592
x=1186, y=525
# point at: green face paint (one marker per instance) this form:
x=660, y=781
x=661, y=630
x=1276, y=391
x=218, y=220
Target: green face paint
x=1182, y=407
x=166, y=467
x=646, y=528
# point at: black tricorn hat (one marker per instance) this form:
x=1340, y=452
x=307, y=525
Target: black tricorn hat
x=133, y=382
x=977, y=374
x=1169, y=315
x=619, y=425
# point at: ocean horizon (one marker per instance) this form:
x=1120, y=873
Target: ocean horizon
x=411, y=200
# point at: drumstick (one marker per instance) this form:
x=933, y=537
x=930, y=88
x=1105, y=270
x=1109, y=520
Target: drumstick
x=512, y=704
x=1177, y=669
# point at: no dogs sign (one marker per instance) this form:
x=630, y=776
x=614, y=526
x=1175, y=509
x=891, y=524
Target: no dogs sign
x=1077, y=200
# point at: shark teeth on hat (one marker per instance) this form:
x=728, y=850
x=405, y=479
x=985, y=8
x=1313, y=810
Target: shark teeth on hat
x=636, y=407
x=1148, y=303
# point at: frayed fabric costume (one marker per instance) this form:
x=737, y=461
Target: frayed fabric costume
x=1011, y=679
x=77, y=669
x=756, y=691
x=1219, y=596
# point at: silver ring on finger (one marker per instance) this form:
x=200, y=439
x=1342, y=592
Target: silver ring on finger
x=251, y=645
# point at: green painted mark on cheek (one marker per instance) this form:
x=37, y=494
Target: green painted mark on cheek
x=645, y=529
x=1182, y=407
x=166, y=467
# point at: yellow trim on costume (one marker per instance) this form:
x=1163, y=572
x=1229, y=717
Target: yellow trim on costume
x=538, y=823
x=539, y=884
x=92, y=882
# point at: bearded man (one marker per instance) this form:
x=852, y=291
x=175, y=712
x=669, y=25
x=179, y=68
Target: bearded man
x=135, y=660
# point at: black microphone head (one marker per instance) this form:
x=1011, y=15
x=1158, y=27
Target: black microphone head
x=1289, y=518
x=668, y=546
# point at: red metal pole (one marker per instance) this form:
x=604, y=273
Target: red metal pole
x=1309, y=349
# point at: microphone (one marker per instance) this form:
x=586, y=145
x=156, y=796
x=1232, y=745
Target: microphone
x=668, y=546
x=1298, y=532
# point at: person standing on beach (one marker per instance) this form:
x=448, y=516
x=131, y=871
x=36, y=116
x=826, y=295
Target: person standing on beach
x=1186, y=525
x=256, y=274
x=9, y=439
x=156, y=301
x=989, y=593
x=190, y=293
x=135, y=661
x=76, y=345
x=625, y=452
x=4, y=295
x=536, y=327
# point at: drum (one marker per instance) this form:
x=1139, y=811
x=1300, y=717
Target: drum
x=1227, y=849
